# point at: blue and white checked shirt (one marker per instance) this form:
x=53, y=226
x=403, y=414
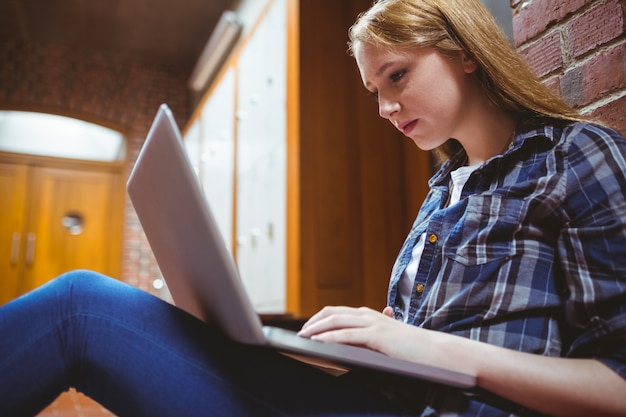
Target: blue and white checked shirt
x=533, y=257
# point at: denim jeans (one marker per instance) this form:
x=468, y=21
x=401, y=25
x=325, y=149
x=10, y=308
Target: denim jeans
x=139, y=356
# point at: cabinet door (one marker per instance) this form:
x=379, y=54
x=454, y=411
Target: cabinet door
x=261, y=163
x=217, y=151
x=13, y=184
x=74, y=222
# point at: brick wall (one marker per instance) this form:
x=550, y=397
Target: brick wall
x=578, y=47
x=116, y=91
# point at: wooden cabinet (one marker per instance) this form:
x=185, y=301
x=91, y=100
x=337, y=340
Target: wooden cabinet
x=54, y=218
x=13, y=187
x=324, y=191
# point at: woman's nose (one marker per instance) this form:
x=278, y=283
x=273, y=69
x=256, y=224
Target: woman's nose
x=386, y=108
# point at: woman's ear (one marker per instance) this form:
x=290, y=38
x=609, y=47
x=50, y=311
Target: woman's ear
x=469, y=65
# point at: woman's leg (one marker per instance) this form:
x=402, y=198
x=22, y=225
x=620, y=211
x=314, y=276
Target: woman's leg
x=139, y=356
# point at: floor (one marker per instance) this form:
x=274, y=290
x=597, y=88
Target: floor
x=74, y=404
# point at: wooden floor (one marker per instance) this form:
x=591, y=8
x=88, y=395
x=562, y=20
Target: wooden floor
x=73, y=404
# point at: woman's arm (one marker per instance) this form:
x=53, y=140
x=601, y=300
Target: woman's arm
x=554, y=386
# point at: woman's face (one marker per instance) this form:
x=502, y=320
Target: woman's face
x=423, y=93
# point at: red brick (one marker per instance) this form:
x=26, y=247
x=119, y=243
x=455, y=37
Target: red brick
x=554, y=84
x=605, y=73
x=595, y=27
x=544, y=56
x=613, y=114
x=572, y=88
x=538, y=15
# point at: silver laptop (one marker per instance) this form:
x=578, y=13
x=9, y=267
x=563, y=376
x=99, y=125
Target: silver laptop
x=202, y=276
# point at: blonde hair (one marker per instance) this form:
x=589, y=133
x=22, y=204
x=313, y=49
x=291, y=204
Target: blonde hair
x=463, y=26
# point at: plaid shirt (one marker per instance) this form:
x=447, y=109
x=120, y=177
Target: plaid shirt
x=533, y=257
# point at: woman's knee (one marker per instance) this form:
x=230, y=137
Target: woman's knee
x=80, y=278
x=80, y=275
x=86, y=284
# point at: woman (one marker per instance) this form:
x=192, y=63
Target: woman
x=514, y=270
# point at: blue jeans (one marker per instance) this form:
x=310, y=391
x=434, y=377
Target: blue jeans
x=139, y=356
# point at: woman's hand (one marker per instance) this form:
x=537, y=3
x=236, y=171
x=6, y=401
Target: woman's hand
x=371, y=329
x=379, y=331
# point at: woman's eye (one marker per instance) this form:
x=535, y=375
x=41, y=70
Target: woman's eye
x=396, y=76
x=373, y=95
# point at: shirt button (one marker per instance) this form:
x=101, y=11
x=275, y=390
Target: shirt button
x=419, y=288
x=433, y=238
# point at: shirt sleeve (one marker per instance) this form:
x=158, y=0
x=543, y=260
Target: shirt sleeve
x=592, y=245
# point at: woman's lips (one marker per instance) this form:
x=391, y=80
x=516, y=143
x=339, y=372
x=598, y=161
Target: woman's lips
x=407, y=127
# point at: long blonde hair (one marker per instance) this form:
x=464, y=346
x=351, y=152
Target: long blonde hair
x=463, y=26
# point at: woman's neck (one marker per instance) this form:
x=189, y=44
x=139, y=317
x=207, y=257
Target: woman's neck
x=489, y=133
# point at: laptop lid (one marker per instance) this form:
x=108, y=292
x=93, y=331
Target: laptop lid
x=182, y=210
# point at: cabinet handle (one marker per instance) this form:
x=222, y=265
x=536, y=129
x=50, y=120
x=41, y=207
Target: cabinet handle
x=30, y=248
x=15, y=247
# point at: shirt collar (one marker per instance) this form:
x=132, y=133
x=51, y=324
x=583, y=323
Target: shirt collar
x=524, y=133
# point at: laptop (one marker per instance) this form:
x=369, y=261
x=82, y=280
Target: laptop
x=202, y=276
